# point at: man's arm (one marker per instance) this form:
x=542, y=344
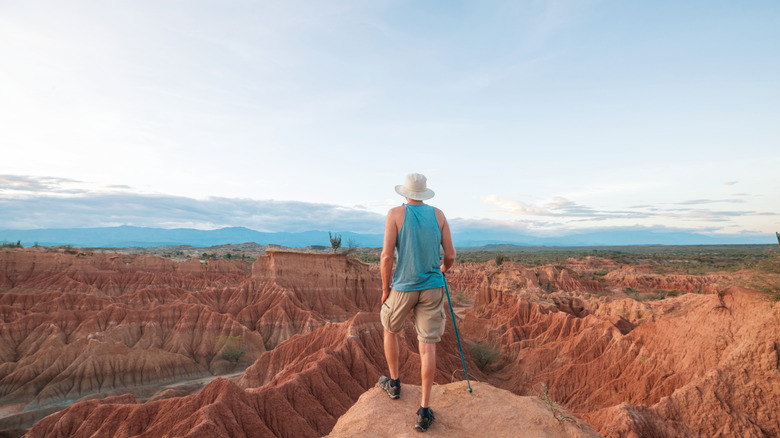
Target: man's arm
x=446, y=242
x=388, y=253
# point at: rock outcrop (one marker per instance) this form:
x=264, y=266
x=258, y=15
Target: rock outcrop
x=487, y=411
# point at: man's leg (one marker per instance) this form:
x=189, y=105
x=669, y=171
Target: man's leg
x=391, y=353
x=427, y=368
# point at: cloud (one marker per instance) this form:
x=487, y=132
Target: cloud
x=114, y=209
x=35, y=184
x=515, y=207
x=572, y=212
x=730, y=183
x=165, y=211
x=558, y=207
x=710, y=201
x=643, y=206
x=25, y=186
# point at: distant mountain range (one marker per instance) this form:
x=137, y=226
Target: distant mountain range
x=127, y=236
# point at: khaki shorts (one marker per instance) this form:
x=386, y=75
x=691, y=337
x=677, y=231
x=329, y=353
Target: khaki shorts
x=429, y=316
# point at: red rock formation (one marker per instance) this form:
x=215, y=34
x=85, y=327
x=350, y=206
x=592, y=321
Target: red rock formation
x=333, y=284
x=68, y=354
x=299, y=389
x=689, y=367
x=90, y=326
x=75, y=325
x=467, y=278
x=631, y=277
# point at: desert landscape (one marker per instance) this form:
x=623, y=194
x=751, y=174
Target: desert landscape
x=288, y=343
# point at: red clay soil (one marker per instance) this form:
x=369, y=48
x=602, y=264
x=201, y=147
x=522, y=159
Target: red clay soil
x=90, y=327
x=300, y=388
x=91, y=339
x=694, y=365
x=77, y=325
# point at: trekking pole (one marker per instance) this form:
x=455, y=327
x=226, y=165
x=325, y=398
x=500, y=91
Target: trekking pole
x=463, y=359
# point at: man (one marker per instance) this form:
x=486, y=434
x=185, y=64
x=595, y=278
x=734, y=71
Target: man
x=417, y=231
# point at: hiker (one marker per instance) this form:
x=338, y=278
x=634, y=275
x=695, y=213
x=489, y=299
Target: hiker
x=417, y=231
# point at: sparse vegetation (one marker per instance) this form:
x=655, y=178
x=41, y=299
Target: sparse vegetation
x=351, y=248
x=483, y=354
x=335, y=241
x=769, y=263
x=460, y=299
x=233, y=348
x=690, y=259
x=499, y=259
x=767, y=284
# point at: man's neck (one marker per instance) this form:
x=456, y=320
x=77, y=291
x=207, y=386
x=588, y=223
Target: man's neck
x=414, y=202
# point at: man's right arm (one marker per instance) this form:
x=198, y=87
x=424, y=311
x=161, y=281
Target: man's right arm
x=388, y=253
x=446, y=244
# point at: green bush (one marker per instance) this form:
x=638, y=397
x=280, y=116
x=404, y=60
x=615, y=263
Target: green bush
x=483, y=354
x=233, y=348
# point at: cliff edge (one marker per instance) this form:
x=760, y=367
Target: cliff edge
x=487, y=411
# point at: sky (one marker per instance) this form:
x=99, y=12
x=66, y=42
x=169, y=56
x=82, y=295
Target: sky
x=545, y=117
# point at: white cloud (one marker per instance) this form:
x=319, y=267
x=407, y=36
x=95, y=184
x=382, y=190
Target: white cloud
x=106, y=210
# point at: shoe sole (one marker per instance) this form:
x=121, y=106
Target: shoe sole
x=420, y=428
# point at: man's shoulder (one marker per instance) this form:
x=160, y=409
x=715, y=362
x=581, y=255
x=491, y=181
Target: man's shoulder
x=395, y=211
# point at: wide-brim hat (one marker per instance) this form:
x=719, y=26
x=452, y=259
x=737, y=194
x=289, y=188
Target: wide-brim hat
x=415, y=187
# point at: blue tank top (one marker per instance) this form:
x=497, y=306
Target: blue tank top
x=418, y=243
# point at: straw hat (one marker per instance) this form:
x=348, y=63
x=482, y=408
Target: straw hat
x=415, y=187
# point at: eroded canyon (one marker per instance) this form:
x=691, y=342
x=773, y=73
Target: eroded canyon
x=120, y=345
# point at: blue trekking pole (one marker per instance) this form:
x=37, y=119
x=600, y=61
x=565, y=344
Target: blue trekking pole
x=463, y=359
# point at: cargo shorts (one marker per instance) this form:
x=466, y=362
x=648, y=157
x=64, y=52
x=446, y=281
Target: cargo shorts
x=428, y=307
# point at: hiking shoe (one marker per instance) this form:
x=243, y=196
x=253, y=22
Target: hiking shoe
x=392, y=387
x=424, y=419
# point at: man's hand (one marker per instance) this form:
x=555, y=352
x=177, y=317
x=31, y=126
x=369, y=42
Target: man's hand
x=443, y=268
x=385, y=294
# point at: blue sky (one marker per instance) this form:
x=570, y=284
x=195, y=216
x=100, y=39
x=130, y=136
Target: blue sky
x=543, y=116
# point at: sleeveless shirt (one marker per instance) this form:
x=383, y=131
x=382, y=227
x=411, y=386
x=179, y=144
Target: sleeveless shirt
x=418, y=243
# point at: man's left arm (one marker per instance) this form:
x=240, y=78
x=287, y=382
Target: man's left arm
x=388, y=254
